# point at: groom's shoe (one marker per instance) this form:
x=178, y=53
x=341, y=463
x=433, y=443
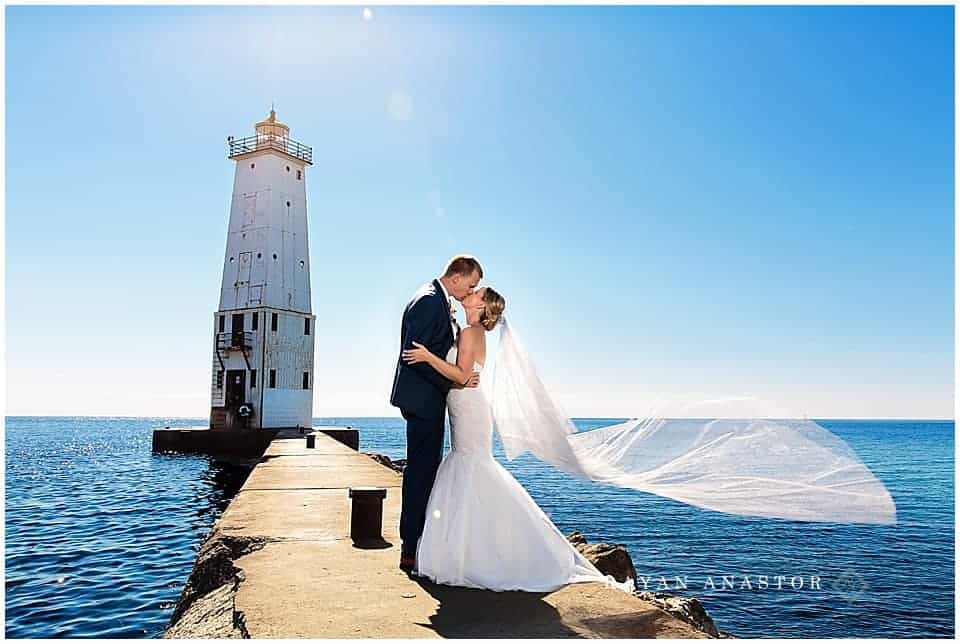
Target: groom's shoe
x=407, y=562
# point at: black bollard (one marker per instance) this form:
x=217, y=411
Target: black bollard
x=311, y=441
x=366, y=514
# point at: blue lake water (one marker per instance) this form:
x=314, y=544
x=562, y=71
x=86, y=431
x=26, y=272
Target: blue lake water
x=101, y=534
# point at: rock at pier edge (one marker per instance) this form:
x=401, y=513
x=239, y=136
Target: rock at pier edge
x=279, y=563
x=614, y=560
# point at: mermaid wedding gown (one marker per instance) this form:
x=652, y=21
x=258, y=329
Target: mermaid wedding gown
x=483, y=530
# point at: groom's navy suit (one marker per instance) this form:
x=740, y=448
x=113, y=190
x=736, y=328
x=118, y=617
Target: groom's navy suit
x=421, y=394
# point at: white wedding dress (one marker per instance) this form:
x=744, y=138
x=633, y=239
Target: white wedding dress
x=482, y=529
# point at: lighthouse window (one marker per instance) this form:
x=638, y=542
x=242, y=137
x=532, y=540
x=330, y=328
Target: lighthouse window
x=273, y=378
x=231, y=260
x=299, y=175
x=301, y=263
x=274, y=257
x=306, y=326
x=273, y=321
x=222, y=318
x=288, y=168
x=288, y=204
x=255, y=323
x=306, y=379
x=220, y=379
x=253, y=165
x=253, y=378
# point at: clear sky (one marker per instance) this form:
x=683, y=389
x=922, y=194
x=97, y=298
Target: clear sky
x=674, y=200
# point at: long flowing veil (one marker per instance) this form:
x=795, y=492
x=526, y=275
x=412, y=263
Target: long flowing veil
x=736, y=463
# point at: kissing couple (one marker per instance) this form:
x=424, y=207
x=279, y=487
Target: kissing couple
x=465, y=520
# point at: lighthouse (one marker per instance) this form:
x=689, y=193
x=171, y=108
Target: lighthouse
x=263, y=328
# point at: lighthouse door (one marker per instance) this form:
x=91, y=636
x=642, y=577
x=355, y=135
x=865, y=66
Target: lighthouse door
x=236, y=387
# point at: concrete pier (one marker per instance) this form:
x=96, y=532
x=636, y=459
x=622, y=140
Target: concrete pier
x=280, y=564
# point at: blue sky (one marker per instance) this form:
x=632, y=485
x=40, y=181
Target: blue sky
x=691, y=201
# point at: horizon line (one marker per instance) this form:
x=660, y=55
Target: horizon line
x=914, y=418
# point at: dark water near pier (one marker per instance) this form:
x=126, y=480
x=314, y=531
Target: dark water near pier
x=101, y=534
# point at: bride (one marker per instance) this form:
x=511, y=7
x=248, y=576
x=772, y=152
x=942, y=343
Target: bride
x=483, y=530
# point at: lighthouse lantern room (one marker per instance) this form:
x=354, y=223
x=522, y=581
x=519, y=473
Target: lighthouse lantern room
x=263, y=330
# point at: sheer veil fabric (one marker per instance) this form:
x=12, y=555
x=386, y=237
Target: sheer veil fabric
x=742, y=464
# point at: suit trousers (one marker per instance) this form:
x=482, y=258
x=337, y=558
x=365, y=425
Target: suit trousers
x=424, y=453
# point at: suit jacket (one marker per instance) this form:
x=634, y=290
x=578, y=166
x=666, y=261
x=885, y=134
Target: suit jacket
x=419, y=389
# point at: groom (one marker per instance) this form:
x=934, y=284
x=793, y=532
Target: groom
x=421, y=393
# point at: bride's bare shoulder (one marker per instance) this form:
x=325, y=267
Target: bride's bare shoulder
x=473, y=331
x=472, y=335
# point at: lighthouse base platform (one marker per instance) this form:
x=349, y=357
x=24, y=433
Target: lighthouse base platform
x=238, y=445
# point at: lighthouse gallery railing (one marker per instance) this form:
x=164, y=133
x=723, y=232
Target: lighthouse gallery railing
x=271, y=142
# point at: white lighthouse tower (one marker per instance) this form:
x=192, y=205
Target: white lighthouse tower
x=263, y=335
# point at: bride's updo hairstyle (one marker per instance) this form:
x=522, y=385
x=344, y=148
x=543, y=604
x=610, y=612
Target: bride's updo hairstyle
x=492, y=310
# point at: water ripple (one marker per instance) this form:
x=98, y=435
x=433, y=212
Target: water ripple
x=100, y=533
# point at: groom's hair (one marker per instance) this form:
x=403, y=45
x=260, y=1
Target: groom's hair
x=463, y=265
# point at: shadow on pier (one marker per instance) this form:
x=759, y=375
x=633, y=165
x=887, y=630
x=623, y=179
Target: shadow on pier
x=469, y=612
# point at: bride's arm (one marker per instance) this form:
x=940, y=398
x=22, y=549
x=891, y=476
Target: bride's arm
x=461, y=373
